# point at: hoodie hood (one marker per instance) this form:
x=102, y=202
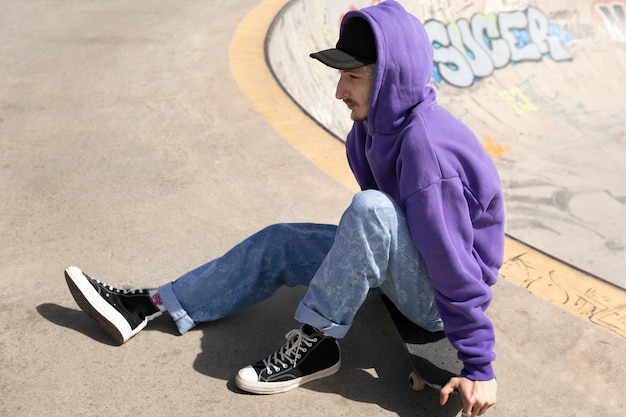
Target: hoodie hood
x=403, y=69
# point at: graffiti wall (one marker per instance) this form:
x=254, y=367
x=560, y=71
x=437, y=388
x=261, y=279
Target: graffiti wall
x=612, y=16
x=469, y=50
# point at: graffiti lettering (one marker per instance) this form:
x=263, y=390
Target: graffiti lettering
x=614, y=20
x=468, y=51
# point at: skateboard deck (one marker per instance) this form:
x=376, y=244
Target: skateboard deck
x=433, y=358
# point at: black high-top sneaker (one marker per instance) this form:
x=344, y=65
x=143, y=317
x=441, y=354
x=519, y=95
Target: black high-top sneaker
x=307, y=356
x=121, y=313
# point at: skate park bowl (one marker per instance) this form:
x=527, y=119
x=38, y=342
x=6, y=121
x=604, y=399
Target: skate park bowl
x=540, y=83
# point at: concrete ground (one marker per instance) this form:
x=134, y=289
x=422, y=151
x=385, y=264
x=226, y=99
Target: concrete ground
x=128, y=149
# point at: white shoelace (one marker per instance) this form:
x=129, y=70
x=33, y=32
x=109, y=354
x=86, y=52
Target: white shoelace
x=124, y=290
x=297, y=342
x=127, y=289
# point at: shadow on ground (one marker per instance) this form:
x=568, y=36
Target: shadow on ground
x=75, y=319
x=375, y=367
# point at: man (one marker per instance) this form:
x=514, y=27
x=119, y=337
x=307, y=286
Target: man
x=427, y=230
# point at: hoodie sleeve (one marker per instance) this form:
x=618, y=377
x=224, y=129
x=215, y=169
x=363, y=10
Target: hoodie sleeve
x=442, y=231
x=357, y=160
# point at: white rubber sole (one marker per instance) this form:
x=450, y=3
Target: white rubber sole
x=246, y=380
x=88, y=299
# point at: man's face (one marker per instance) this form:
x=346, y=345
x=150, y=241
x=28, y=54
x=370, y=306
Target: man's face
x=354, y=88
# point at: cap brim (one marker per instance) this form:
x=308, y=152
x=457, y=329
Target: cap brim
x=337, y=59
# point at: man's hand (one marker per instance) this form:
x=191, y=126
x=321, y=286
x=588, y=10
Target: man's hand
x=476, y=396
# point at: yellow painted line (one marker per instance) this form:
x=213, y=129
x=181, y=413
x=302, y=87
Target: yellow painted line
x=247, y=63
x=559, y=283
x=548, y=278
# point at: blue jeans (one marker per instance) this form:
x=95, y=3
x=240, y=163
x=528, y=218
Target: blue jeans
x=371, y=248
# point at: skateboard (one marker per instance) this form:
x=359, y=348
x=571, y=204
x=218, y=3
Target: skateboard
x=433, y=358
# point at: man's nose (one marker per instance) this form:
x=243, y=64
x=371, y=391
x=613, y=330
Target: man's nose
x=340, y=91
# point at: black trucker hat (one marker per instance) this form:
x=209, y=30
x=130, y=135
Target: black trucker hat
x=356, y=47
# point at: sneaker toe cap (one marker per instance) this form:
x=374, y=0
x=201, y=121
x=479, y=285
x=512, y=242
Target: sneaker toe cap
x=248, y=374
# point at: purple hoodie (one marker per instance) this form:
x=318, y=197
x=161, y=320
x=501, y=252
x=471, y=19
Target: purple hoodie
x=436, y=169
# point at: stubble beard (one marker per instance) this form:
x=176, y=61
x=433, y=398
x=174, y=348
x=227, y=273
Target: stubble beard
x=357, y=117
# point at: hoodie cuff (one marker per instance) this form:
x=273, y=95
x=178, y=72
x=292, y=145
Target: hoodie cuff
x=478, y=372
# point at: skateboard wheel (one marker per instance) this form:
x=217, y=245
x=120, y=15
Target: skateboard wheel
x=416, y=382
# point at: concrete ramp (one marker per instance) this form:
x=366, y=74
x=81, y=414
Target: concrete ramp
x=541, y=83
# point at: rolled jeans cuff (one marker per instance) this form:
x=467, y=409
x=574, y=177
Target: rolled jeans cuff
x=307, y=316
x=183, y=322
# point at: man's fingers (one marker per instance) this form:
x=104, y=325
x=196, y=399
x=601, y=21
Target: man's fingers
x=446, y=390
x=474, y=411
